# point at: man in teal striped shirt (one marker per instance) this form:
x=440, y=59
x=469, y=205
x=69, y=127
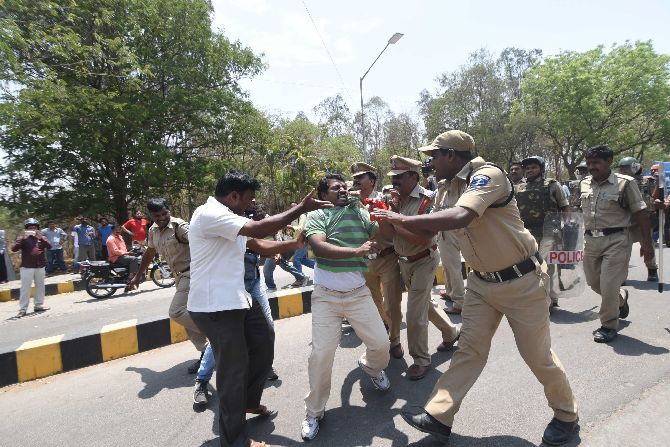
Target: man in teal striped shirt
x=340, y=238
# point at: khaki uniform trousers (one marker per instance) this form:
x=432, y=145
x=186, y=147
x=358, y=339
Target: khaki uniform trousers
x=385, y=272
x=545, y=245
x=328, y=309
x=450, y=255
x=606, y=267
x=418, y=277
x=179, y=313
x=525, y=303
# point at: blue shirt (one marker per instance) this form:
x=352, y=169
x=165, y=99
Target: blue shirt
x=105, y=231
x=85, y=234
x=55, y=237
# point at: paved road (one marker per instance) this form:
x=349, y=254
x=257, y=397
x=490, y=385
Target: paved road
x=144, y=400
x=78, y=313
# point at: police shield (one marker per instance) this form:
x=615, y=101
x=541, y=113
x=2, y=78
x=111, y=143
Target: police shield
x=562, y=248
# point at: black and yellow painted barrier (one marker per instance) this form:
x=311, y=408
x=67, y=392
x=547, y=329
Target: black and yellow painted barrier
x=49, y=289
x=51, y=355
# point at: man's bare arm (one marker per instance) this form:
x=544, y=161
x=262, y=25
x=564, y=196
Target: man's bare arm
x=327, y=250
x=449, y=219
x=269, y=248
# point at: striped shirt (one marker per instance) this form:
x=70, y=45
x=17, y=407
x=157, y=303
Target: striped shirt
x=344, y=226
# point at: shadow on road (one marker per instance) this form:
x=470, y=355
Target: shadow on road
x=121, y=295
x=156, y=381
x=562, y=316
x=626, y=345
x=642, y=285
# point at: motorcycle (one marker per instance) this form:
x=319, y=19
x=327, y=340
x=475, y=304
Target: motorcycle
x=103, y=279
x=160, y=273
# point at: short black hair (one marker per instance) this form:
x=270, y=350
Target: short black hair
x=236, y=181
x=515, y=163
x=156, y=204
x=601, y=151
x=322, y=187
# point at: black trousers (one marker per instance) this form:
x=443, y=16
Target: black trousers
x=243, y=346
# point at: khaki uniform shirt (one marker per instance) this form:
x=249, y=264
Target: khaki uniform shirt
x=445, y=188
x=175, y=253
x=496, y=238
x=610, y=204
x=410, y=207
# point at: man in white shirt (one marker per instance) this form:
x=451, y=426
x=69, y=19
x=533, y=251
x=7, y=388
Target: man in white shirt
x=241, y=338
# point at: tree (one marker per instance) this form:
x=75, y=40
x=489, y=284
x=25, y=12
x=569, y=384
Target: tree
x=478, y=99
x=108, y=101
x=620, y=97
x=334, y=116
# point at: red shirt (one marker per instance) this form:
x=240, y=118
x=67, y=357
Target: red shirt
x=138, y=228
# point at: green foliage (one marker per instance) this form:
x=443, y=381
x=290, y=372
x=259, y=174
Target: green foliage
x=109, y=101
x=620, y=97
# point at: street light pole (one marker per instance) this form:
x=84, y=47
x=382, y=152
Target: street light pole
x=392, y=40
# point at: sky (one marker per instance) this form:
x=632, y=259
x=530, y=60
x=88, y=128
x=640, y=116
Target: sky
x=318, y=48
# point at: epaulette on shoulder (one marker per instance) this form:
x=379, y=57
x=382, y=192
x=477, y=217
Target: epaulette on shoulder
x=625, y=177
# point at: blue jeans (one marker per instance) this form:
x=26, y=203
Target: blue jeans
x=300, y=258
x=55, y=257
x=253, y=286
x=269, y=269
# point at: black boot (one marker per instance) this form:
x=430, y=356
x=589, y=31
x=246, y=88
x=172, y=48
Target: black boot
x=652, y=275
x=558, y=432
x=427, y=424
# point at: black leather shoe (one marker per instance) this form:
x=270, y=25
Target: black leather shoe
x=558, y=432
x=427, y=424
x=604, y=335
x=624, y=310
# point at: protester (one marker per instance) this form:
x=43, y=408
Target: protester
x=85, y=234
x=56, y=236
x=33, y=245
x=241, y=338
x=339, y=237
x=136, y=227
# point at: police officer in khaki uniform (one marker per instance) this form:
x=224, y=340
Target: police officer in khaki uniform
x=631, y=167
x=611, y=203
x=383, y=271
x=535, y=198
x=418, y=260
x=450, y=255
x=169, y=236
x=508, y=281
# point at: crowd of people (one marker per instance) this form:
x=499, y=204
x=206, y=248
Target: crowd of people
x=368, y=247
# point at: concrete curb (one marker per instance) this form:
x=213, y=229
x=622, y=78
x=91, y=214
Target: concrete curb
x=49, y=289
x=52, y=355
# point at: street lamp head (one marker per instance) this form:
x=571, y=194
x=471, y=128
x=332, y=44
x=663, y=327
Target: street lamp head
x=396, y=37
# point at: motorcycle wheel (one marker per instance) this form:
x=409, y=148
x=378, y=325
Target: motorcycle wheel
x=160, y=280
x=91, y=282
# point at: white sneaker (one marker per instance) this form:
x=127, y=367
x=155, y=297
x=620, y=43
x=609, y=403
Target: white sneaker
x=381, y=382
x=310, y=427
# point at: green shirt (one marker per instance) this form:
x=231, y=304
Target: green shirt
x=344, y=226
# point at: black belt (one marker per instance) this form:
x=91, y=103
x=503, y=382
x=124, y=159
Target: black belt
x=513, y=272
x=604, y=231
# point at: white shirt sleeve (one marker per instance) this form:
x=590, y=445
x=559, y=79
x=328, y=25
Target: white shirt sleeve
x=226, y=225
